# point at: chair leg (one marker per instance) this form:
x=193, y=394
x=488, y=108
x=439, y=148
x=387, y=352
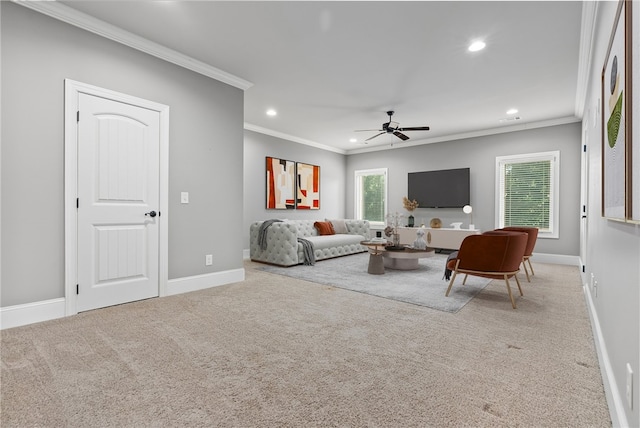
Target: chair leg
x=518, y=282
x=530, y=266
x=524, y=265
x=513, y=302
x=464, y=281
x=453, y=278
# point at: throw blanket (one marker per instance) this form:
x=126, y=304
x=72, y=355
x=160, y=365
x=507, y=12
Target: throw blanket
x=447, y=272
x=307, y=250
x=262, y=233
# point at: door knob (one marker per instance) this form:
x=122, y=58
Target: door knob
x=151, y=214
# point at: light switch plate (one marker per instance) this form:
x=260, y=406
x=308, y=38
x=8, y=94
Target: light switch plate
x=184, y=197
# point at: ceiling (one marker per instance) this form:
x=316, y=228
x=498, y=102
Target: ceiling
x=330, y=68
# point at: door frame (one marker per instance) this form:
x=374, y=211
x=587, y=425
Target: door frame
x=584, y=205
x=72, y=91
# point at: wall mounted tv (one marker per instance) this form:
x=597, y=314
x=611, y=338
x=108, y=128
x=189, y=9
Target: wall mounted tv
x=448, y=188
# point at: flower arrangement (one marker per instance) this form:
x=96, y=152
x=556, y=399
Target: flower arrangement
x=393, y=221
x=409, y=205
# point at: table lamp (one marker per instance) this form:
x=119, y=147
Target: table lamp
x=467, y=209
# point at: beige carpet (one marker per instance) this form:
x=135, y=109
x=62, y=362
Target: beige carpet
x=276, y=351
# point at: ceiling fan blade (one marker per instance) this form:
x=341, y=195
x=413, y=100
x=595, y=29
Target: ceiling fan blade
x=400, y=135
x=377, y=135
x=415, y=128
x=367, y=130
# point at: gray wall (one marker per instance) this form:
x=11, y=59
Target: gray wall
x=479, y=154
x=206, y=134
x=612, y=248
x=332, y=178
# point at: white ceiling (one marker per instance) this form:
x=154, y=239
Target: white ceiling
x=330, y=68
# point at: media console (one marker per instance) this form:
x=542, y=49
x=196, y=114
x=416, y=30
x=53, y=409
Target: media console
x=442, y=238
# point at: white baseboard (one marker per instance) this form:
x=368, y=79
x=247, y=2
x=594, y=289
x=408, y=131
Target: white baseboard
x=614, y=399
x=200, y=282
x=556, y=259
x=29, y=313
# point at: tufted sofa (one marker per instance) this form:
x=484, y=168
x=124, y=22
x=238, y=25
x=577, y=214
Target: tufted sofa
x=284, y=249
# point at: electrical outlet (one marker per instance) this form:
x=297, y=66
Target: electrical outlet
x=208, y=260
x=629, y=386
x=595, y=288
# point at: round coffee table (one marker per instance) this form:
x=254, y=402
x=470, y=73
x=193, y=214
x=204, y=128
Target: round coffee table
x=407, y=259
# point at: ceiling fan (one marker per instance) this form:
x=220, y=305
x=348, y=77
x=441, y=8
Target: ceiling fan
x=392, y=127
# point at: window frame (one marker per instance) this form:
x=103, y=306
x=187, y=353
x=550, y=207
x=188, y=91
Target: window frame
x=357, y=187
x=554, y=199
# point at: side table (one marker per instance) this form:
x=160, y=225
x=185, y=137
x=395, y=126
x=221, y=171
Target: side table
x=376, y=262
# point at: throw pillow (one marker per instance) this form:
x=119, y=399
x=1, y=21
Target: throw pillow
x=339, y=226
x=324, y=228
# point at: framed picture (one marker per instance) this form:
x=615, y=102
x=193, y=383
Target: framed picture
x=308, y=186
x=615, y=124
x=633, y=31
x=281, y=183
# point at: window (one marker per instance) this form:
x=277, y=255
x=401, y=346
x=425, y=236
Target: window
x=528, y=190
x=371, y=195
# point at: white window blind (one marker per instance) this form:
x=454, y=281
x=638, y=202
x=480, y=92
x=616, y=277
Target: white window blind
x=527, y=189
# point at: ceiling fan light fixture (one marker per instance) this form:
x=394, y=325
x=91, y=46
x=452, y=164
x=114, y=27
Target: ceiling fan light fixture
x=512, y=111
x=272, y=112
x=477, y=46
x=392, y=127
x=353, y=140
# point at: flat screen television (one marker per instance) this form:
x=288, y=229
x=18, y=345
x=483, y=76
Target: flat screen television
x=448, y=188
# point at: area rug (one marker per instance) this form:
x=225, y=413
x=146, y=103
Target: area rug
x=424, y=286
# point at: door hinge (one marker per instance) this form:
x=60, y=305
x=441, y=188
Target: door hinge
x=77, y=202
x=77, y=288
x=584, y=268
x=78, y=116
x=584, y=148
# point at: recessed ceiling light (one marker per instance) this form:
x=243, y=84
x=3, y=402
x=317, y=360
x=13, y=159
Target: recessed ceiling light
x=477, y=46
x=271, y=112
x=353, y=140
x=512, y=111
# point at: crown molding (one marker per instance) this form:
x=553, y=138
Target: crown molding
x=402, y=145
x=271, y=132
x=471, y=134
x=587, y=38
x=79, y=19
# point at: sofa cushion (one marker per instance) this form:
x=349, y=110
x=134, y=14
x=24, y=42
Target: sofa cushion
x=324, y=228
x=339, y=226
x=322, y=242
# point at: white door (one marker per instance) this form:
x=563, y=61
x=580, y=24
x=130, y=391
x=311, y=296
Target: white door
x=118, y=202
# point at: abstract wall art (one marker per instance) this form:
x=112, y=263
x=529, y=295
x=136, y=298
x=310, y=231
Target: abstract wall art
x=308, y=186
x=281, y=181
x=615, y=125
x=634, y=96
